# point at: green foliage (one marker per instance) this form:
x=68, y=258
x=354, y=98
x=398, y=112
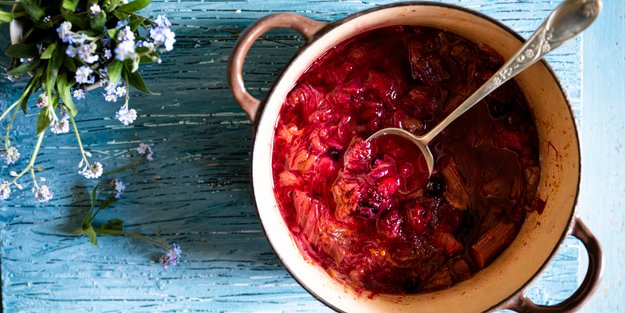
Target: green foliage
x=63, y=88
x=70, y=5
x=135, y=5
x=135, y=80
x=21, y=50
x=5, y=17
x=48, y=52
x=33, y=9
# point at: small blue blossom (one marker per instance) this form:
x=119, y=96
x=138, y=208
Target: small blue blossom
x=120, y=91
x=125, y=34
x=163, y=37
x=171, y=256
x=78, y=38
x=110, y=98
x=118, y=188
x=60, y=126
x=47, y=19
x=79, y=93
x=43, y=194
x=121, y=23
x=162, y=21
x=5, y=190
x=94, y=171
x=71, y=51
x=126, y=116
x=42, y=101
x=65, y=31
x=86, y=52
x=10, y=155
x=107, y=54
x=125, y=50
x=83, y=75
x=95, y=9
x=146, y=150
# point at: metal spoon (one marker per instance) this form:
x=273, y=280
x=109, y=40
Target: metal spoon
x=565, y=22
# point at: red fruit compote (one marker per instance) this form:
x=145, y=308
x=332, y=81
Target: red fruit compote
x=366, y=211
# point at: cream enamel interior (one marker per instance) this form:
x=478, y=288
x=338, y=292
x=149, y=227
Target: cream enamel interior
x=540, y=235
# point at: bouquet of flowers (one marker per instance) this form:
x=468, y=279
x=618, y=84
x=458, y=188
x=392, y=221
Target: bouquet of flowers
x=68, y=48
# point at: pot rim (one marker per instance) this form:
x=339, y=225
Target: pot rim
x=331, y=26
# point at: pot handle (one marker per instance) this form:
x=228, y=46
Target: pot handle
x=305, y=26
x=521, y=303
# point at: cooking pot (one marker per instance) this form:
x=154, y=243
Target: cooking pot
x=498, y=286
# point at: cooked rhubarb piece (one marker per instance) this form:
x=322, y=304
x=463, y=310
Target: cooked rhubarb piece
x=491, y=243
x=367, y=211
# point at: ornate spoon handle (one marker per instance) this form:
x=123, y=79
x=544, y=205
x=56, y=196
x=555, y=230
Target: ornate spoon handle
x=564, y=23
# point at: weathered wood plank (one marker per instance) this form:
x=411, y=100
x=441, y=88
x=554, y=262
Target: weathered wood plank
x=197, y=190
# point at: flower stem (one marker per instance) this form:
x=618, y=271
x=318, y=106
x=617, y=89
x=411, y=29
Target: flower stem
x=125, y=233
x=82, y=150
x=7, y=143
x=8, y=110
x=32, y=158
x=32, y=174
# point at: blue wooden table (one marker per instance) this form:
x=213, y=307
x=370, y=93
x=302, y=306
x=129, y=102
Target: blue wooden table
x=197, y=191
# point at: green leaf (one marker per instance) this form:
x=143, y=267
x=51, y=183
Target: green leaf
x=107, y=203
x=136, y=21
x=93, y=237
x=136, y=81
x=115, y=71
x=110, y=5
x=52, y=71
x=48, y=52
x=79, y=20
x=69, y=64
x=112, y=33
x=120, y=15
x=63, y=88
x=70, y=5
x=24, y=68
x=5, y=17
x=43, y=121
x=98, y=21
x=21, y=50
x=32, y=85
x=135, y=5
x=33, y=9
x=94, y=193
x=115, y=223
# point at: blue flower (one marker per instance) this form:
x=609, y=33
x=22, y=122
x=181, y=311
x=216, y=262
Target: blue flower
x=79, y=94
x=10, y=155
x=125, y=34
x=121, y=23
x=43, y=194
x=126, y=116
x=171, y=256
x=95, y=9
x=71, y=51
x=125, y=50
x=65, y=31
x=5, y=190
x=107, y=54
x=83, y=75
x=86, y=52
x=118, y=188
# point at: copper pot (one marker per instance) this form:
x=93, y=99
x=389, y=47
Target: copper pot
x=498, y=286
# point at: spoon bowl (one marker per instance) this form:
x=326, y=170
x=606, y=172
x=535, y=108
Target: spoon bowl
x=565, y=22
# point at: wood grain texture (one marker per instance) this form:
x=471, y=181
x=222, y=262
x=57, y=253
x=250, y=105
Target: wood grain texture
x=197, y=191
x=602, y=127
